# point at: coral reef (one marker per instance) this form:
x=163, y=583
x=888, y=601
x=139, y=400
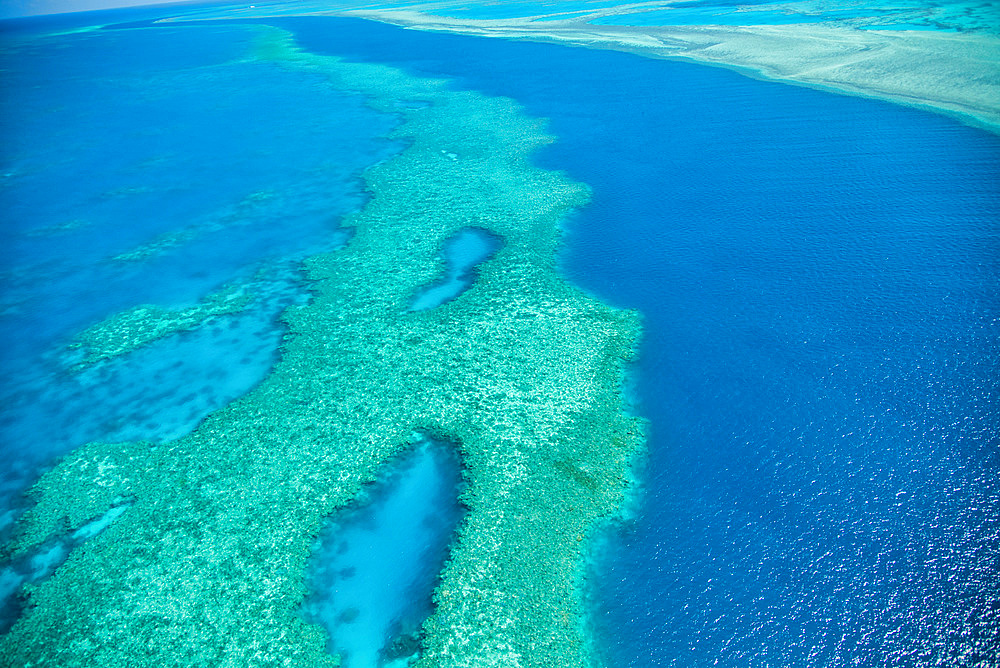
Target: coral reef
x=522, y=371
x=141, y=325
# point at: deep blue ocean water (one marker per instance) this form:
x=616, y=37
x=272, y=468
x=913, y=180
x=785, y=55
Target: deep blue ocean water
x=819, y=282
x=818, y=277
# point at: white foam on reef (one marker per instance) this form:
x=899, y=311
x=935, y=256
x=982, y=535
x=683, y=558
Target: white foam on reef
x=375, y=566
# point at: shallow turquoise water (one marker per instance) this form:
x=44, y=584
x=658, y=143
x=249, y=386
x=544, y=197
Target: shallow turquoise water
x=818, y=279
x=940, y=15
x=684, y=16
x=817, y=275
x=253, y=165
x=376, y=564
x=116, y=141
x=898, y=15
x=462, y=253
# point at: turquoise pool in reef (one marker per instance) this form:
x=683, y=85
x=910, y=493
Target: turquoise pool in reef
x=375, y=566
x=329, y=342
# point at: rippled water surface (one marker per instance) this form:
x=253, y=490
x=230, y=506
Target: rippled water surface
x=818, y=276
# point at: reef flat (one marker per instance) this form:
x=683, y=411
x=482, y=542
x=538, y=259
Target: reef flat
x=139, y=326
x=522, y=371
